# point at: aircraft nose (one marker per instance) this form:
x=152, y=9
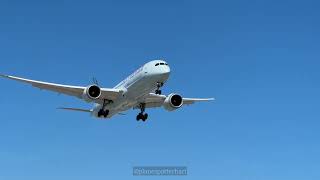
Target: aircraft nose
x=167, y=70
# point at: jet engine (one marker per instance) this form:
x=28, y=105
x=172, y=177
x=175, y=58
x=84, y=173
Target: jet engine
x=173, y=102
x=91, y=93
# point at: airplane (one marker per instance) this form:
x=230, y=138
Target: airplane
x=140, y=90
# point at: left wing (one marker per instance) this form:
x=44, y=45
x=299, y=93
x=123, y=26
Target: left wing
x=76, y=91
x=154, y=100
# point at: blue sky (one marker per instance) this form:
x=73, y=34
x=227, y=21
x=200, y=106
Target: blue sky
x=259, y=59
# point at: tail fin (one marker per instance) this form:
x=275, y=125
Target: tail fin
x=75, y=109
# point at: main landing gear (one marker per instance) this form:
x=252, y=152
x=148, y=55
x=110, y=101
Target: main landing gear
x=159, y=85
x=142, y=116
x=103, y=112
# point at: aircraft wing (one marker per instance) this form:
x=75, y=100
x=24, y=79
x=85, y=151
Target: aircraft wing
x=76, y=91
x=154, y=100
x=188, y=101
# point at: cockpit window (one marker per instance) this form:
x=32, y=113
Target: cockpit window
x=161, y=64
x=166, y=64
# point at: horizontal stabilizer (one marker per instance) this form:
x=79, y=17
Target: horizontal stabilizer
x=75, y=109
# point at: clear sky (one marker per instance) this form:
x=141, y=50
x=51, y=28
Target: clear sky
x=259, y=59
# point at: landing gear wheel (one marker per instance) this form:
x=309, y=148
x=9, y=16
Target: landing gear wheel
x=142, y=116
x=106, y=113
x=100, y=113
x=103, y=113
x=139, y=116
x=145, y=117
x=159, y=85
x=158, y=92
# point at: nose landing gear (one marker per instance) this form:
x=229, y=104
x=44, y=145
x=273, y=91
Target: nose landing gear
x=142, y=116
x=158, y=91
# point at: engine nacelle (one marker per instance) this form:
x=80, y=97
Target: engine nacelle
x=173, y=102
x=91, y=93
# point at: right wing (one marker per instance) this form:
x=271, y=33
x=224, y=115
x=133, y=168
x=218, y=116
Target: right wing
x=188, y=101
x=76, y=91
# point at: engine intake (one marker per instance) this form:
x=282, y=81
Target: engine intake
x=91, y=93
x=173, y=102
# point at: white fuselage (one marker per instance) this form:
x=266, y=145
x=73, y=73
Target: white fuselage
x=136, y=86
